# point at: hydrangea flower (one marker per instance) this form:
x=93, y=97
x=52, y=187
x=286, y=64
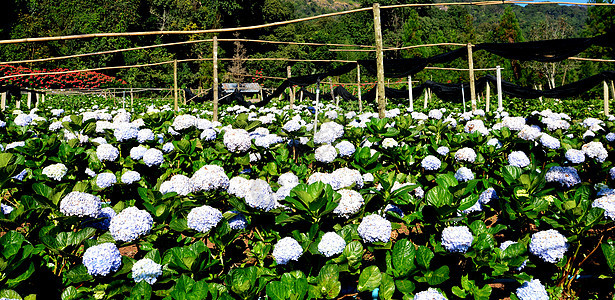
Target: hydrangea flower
x=345, y=148
x=100, y=260
x=529, y=133
x=105, y=215
x=210, y=178
x=292, y=126
x=238, y=221
x=513, y=123
x=80, y=204
x=285, y=250
x=328, y=133
x=106, y=152
x=465, y=154
x=435, y=114
x=89, y=172
x=6, y=209
x=457, y=238
x=130, y=223
x=606, y=202
x=464, y=174
x=518, y=159
x=549, y=245
x=596, y=151
x=325, y=153
x=532, y=290
x=208, y=134
x=610, y=136
x=575, y=156
x=15, y=144
x=23, y=120
x=612, y=172
x=288, y=179
x=130, y=177
x=260, y=195
x=394, y=209
x=239, y=187
x=487, y=195
x=345, y=177
x=431, y=163
x=204, y=218
x=180, y=184
x=183, y=122
x=145, y=135
x=374, y=228
x=153, y=157
x=146, y=269
x=495, y=143
x=350, y=203
x=125, y=131
x=566, y=176
x=331, y=244
x=475, y=125
x=389, y=143
x=105, y=180
x=55, y=171
x=168, y=147
x=237, y=140
x=443, y=150
x=429, y=294
x=549, y=141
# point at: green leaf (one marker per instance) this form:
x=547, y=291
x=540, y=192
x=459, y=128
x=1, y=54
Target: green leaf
x=438, y=276
x=387, y=287
x=403, y=257
x=439, y=196
x=405, y=286
x=608, y=249
x=10, y=294
x=369, y=279
x=446, y=180
x=142, y=290
x=77, y=274
x=42, y=189
x=69, y=293
x=424, y=256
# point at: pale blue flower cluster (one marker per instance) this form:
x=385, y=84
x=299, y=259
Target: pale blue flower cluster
x=130, y=223
x=125, y=131
x=23, y=120
x=80, y=204
x=345, y=148
x=285, y=250
x=374, y=228
x=180, y=184
x=21, y=175
x=442, y=150
x=130, y=177
x=394, y=209
x=596, y=151
x=549, y=245
x=208, y=134
x=145, y=135
x=105, y=215
x=237, y=140
x=260, y=195
x=55, y=171
x=146, y=269
x=487, y=195
x=389, y=143
x=495, y=143
x=105, y=180
x=575, y=156
x=549, y=141
x=566, y=176
x=100, y=260
x=6, y=209
x=464, y=174
x=268, y=140
x=429, y=294
x=153, y=157
x=532, y=290
x=328, y=133
x=89, y=172
x=15, y=144
x=292, y=125
x=106, y=152
x=610, y=136
x=238, y=221
x=465, y=154
x=168, y=147
x=457, y=238
x=204, y=218
x=325, y=153
x=350, y=203
x=606, y=202
x=209, y=178
x=331, y=244
x=431, y=163
x=612, y=172
x=518, y=159
x=183, y=122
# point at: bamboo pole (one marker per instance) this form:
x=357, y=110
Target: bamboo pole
x=359, y=88
x=488, y=97
x=331, y=88
x=379, y=61
x=410, y=93
x=427, y=92
x=175, y=106
x=29, y=100
x=471, y=74
x=499, y=86
x=215, y=77
x=291, y=87
x=132, y=107
x=613, y=90
x=463, y=98
x=3, y=101
x=123, y=99
x=18, y=101
x=606, y=98
x=316, y=107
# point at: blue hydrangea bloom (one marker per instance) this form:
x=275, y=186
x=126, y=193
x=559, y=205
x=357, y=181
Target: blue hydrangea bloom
x=153, y=157
x=374, y=228
x=130, y=177
x=429, y=294
x=204, y=218
x=125, y=131
x=443, y=150
x=105, y=215
x=549, y=245
x=208, y=134
x=345, y=148
x=238, y=221
x=518, y=159
x=487, y=195
x=21, y=175
x=106, y=152
x=130, y=223
x=145, y=135
x=168, y=147
x=146, y=269
x=80, y=204
x=331, y=244
x=287, y=249
x=105, y=180
x=136, y=153
x=575, y=156
x=431, y=163
x=6, y=209
x=464, y=174
x=549, y=141
x=457, y=238
x=100, y=260
x=566, y=176
x=532, y=290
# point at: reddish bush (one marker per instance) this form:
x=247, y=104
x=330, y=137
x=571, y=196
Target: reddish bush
x=80, y=80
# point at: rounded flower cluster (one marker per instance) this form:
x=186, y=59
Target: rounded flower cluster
x=429, y=294
x=55, y=171
x=105, y=180
x=431, y=163
x=532, y=290
x=487, y=195
x=374, y=228
x=130, y=223
x=350, y=203
x=209, y=178
x=457, y=238
x=80, y=204
x=287, y=249
x=288, y=179
x=260, y=195
x=208, y=135
x=204, y=218
x=529, y=133
x=465, y=154
x=23, y=120
x=237, y=140
x=238, y=187
x=180, y=184
x=575, y=156
x=325, y=153
x=549, y=245
x=130, y=177
x=549, y=141
x=145, y=135
x=435, y=114
x=607, y=203
x=146, y=269
x=388, y=143
x=513, y=123
x=184, y=122
x=331, y=244
x=464, y=174
x=518, y=159
x=125, y=131
x=6, y=209
x=292, y=125
x=168, y=147
x=328, y=133
x=345, y=177
x=100, y=260
x=566, y=176
x=105, y=216
x=106, y=152
x=238, y=221
x=345, y=148
x=153, y=157
x=443, y=150
x=595, y=150
x=475, y=125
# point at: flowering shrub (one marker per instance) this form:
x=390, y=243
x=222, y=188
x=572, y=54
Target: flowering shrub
x=81, y=80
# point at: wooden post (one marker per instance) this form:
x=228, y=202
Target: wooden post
x=613, y=90
x=175, y=105
x=132, y=101
x=427, y=92
x=301, y=96
x=18, y=101
x=463, y=98
x=3, y=101
x=290, y=87
x=499, y=86
x=316, y=106
x=540, y=88
x=331, y=87
x=410, y=93
x=606, y=98
x=359, y=87
x=379, y=61
x=471, y=74
x=123, y=99
x=215, y=75
x=488, y=97
x=29, y=101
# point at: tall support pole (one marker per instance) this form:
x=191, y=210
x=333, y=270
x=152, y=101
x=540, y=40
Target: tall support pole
x=3, y=101
x=498, y=72
x=316, y=107
x=410, y=93
x=359, y=88
x=332, y=94
x=488, y=97
x=379, y=61
x=124, y=99
x=290, y=87
x=29, y=101
x=427, y=95
x=613, y=90
x=175, y=106
x=215, y=75
x=606, y=98
x=463, y=97
x=471, y=74
x=132, y=101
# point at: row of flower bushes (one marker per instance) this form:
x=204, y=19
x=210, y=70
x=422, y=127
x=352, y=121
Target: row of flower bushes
x=80, y=80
